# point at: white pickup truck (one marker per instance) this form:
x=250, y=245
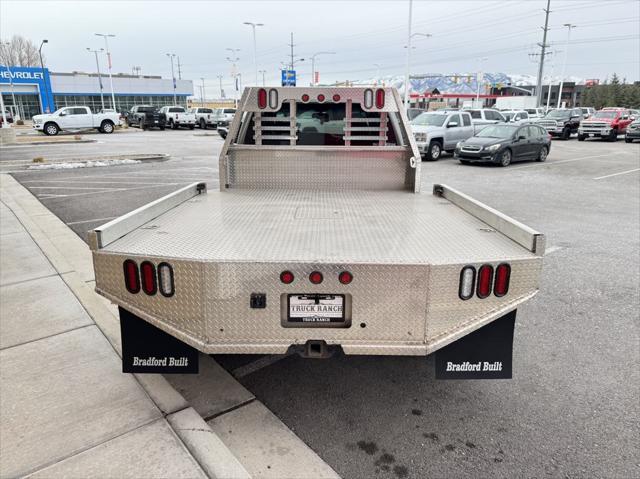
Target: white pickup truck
x=204, y=117
x=317, y=240
x=75, y=118
x=178, y=116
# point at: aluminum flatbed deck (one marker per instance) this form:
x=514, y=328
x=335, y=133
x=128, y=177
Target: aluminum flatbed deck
x=320, y=226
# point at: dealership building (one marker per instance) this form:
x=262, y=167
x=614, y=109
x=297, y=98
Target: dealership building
x=29, y=91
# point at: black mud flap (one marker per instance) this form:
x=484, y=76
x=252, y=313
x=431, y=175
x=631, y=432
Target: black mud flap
x=483, y=354
x=147, y=349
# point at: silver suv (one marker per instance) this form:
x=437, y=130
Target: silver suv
x=441, y=130
x=486, y=116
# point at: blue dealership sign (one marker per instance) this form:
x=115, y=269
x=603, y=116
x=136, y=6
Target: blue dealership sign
x=288, y=78
x=30, y=76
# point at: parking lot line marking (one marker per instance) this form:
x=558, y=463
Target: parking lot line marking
x=553, y=249
x=551, y=163
x=617, y=174
x=90, y=221
x=70, y=188
x=95, y=182
x=257, y=365
x=112, y=190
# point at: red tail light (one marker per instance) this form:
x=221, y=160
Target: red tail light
x=485, y=277
x=148, y=273
x=379, y=98
x=287, y=277
x=305, y=98
x=336, y=98
x=262, y=98
x=345, y=277
x=320, y=97
x=316, y=277
x=501, y=286
x=131, y=277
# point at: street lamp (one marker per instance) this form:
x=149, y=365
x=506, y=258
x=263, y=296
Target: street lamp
x=173, y=77
x=313, y=65
x=479, y=78
x=13, y=95
x=203, y=96
x=564, y=64
x=234, y=72
x=263, y=72
x=106, y=44
x=377, y=65
x=46, y=90
x=99, y=77
x=220, y=77
x=255, y=53
x=408, y=65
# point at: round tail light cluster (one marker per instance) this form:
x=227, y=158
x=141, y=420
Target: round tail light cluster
x=316, y=277
x=287, y=277
x=484, y=282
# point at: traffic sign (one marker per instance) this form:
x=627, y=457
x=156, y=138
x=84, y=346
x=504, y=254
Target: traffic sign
x=288, y=78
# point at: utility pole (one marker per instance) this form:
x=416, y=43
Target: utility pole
x=179, y=69
x=46, y=90
x=406, y=72
x=99, y=77
x=564, y=64
x=479, y=78
x=203, y=96
x=173, y=77
x=234, y=70
x=106, y=44
x=543, y=46
x=291, y=45
x=263, y=72
x=220, y=77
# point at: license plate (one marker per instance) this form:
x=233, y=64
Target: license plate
x=592, y=134
x=156, y=121
x=315, y=308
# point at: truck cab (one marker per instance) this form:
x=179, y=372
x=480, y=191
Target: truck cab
x=317, y=239
x=562, y=122
x=204, y=117
x=177, y=116
x=607, y=123
x=441, y=130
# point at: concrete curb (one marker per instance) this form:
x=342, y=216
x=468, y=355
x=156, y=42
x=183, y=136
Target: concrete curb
x=203, y=447
x=45, y=143
x=21, y=165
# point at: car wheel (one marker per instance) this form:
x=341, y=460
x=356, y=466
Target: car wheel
x=173, y=125
x=435, y=150
x=142, y=125
x=51, y=129
x=127, y=122
x=613, y=136
x=566, y=133
x=628, y=140
x=505, y=158
x=191, y=127
x=106, y=127
x=581, y=137
x=542, y=156
x=162, y=128
x=203, y=124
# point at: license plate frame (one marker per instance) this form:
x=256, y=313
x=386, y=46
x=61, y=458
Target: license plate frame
x=308, y=318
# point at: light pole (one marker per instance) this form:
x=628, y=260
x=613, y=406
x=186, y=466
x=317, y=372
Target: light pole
x=263, y=72
x=220, y=77
x=106, y=44
x=410, y=35
x=313, y=65
x=234, y=71
x=13, y=95
x=46, y=90
x=202, y=97
x=479, y=78
x=377, y=65
x=173, y=77
x=564, y=64
x=99, y=77
x=255, y=52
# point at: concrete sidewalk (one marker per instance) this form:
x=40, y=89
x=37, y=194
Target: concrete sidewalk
x=66, y=409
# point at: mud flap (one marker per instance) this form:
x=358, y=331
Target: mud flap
x=147, y=349
x=483, y=354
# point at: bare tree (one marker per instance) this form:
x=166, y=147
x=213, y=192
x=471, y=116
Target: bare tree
x=19, y=52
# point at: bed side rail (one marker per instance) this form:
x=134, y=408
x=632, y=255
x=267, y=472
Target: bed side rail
x=516, y=231
x=109, y=232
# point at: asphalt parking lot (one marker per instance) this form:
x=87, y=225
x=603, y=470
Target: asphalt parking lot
x=572, y=407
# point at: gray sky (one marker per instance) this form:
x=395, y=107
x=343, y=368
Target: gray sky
x=362, y=33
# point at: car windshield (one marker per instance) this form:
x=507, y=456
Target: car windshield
x=147, y=109
x=429, y=119
x=532, y=111
x=559, y=114
x=605, y=114
x=229, y=110
x=508, y=114
x=497, y=131
x=205, y=110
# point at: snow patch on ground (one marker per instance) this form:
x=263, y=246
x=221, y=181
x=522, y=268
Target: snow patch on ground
x=82, y=164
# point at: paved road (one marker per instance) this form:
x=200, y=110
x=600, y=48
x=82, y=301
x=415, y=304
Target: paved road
x=572, y=407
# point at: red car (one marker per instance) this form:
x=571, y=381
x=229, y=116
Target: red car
x=607, y=123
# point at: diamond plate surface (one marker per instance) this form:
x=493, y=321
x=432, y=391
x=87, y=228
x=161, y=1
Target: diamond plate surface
x=261, y=226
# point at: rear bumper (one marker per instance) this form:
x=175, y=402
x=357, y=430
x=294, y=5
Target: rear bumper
x=633, y=134
x=596, y=131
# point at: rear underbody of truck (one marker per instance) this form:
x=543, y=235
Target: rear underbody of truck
x=317, y=245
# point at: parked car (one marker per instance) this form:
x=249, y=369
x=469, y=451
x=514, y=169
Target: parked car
x=606, y=124
x=440, y=130
x=224, y=116
x=516, y=116
x=587, y=111
x=75, y=118
x=633, y=131
x=177, y=116
x=486, y=116
x=414, y=112
x=204, y=117
x=535, y=113
x=562, y=122
x=146, y=116
x=634, y=114
x=503, y=144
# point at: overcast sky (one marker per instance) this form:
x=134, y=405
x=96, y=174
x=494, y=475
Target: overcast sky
x=362, y=33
